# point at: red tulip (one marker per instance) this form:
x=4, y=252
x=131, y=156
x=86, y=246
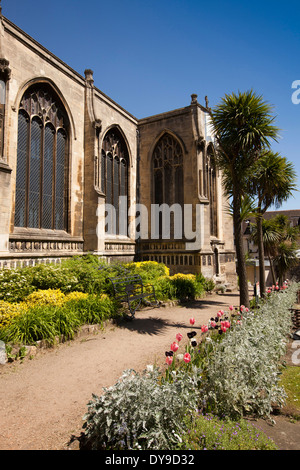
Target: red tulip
x=192, y=321
x=179, y=336
x=169, y=360
x=187, y=357
x=174, y=346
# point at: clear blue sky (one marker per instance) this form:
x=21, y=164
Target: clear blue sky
x=150, y=56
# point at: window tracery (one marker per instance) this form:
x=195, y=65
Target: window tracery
x=41, y=189
x=114, y=179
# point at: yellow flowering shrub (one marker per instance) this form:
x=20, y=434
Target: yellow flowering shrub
x=8, y=311
x=104, y=297
x=182, y=276
x=75, y=296
x=45, y=297
x=153, y=268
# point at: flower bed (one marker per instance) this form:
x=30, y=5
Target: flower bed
x=230, y=370
x=46, y=314
x=33, y=300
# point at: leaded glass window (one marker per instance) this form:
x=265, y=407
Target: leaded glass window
x=41, y=190
x=167, y=168
x=114, y=180
x=168, y=171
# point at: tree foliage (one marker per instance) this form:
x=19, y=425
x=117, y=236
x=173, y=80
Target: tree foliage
x=243, y=126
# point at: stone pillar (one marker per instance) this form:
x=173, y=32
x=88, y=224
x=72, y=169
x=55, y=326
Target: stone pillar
x=5, y=170
x=94, y=202
x=5, y=206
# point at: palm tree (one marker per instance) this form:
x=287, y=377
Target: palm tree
x=280, y=244
x=271, y=238
x=286, y=250
x=271, y=181
x=285, y=259
x=243, y=126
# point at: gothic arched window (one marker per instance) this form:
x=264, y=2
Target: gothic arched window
x=114, y=180
x=212, y=191
x=167, y=170
x=41, y=188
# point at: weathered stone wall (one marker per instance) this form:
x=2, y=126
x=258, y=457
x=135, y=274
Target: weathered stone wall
x=101, y=115
x=215, y=255
x=30, y=63
x=91, y=115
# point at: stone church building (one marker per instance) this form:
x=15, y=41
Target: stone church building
x=68, y=152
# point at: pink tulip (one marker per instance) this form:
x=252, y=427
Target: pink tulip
x=227, y=324
x=169, y=360
x=179, y=336
x=220, y=313
x=231, y=307
x=223, y=328
x=187, y=357
x=204, y=328
x=212, y=324
x=242, y=307
x=192, y=321
x=174, y=346
x=247, y=309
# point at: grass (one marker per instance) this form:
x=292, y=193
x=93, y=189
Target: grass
x=290, y=380
x=208, y=432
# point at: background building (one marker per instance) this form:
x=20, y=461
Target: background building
x=67, y=151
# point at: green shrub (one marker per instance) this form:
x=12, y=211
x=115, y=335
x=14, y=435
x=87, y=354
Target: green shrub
x=186, y=286
x=50, y=276
x=92, y=273
x=15, y=284
x=207, y=283
x=94, y=309
x=163, y=288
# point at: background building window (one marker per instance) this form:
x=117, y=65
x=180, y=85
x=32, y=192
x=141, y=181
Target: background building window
x=41, y=189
